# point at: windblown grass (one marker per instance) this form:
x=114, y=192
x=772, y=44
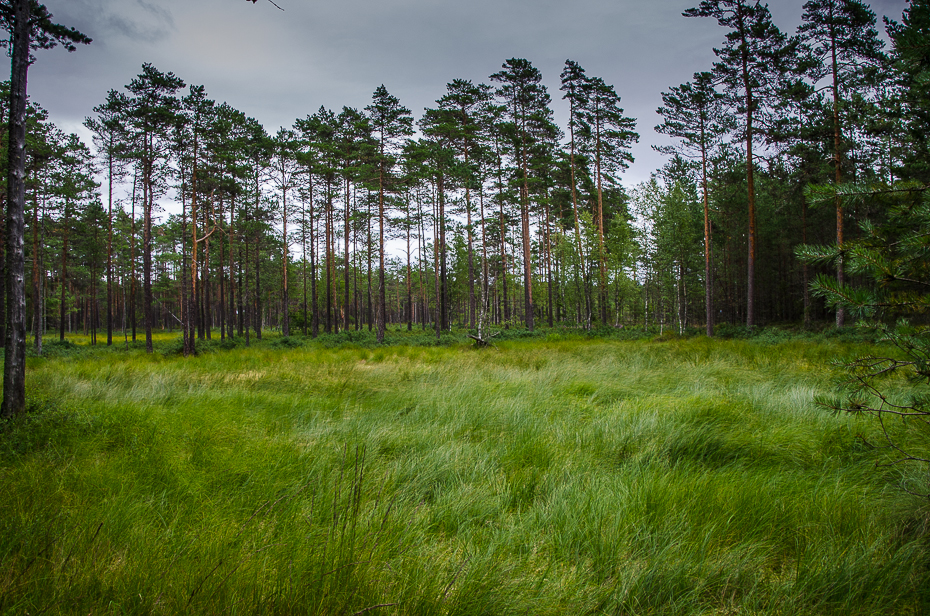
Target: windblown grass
x=541, y=477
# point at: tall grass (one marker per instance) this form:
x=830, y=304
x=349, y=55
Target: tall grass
x=541, y=477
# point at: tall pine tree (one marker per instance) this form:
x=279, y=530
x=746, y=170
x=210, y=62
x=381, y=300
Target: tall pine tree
x=752, y=60
x=390, y=122
x=31, y=27
x=846, y=51
x=694, y=112
x=527, y=106
x=608, y=138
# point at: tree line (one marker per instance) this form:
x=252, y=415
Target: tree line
x=483, y=210
x=294, y=230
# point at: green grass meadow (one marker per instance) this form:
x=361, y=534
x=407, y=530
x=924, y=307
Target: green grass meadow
x=545, y=476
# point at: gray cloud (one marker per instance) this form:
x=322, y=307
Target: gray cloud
x=278, y=66
x=106, y=20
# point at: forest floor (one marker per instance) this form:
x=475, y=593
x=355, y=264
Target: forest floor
x=547, y=476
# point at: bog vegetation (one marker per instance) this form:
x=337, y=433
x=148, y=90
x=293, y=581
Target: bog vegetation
x=547, y=476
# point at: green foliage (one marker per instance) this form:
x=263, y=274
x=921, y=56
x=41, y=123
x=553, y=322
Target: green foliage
x=892, y=255
x=912, y=72
x=287, y=342
x=58, y=348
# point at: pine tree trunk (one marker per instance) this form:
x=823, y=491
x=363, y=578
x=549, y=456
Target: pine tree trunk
x=804, y=270
x=529, y=317
x=63, y=276
x=148, y=199
x=345, y=322
x=258, y=289
x=838, y=159
x=484, y=257
x=708, y=282
x=437, y=319
x=548, y=253
x=207, y=288
x=370, y=314
x=110, y=243
x=245, y=308
x=14, y=367
x=409, y=288
x=751, y=189
x=313, y=298
x=303, y=248
x=132, y=260
x=421, y=257
x=36, y=286
x=471, y=259
x=241, y=328
x=231, y=311
x=443, y=281
x=356, y=296
x=327, y=216
x=186, y=332
x=602, y=255
x=222, y=281
x=382, y=303
x=285, y=299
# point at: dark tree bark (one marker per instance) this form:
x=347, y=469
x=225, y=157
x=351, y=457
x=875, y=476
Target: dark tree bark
x=443, y=282
x=64, y=273
x=132, y=259
x=147, y=298
x=347, y=219
x=187, y=332
x=222, y=280
x=313, y=245
x=231, y=311
x=14, y=367
x=110, y=244
x=36, y=279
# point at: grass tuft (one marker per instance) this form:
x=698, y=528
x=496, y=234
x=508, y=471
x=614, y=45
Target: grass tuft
x=554, y=474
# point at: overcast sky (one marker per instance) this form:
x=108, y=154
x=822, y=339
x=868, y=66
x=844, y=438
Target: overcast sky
x=278, y=66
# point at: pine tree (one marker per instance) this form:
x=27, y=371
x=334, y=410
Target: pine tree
x=226, y=164
x=74, y=184
x=44, y=152
x=195, y=118
x=110, y=142
x=889, y=261
x=30, y=26
x=911, y=62
x=497, y=131
x=694, y=112
x=846, y=49
x=356, y=153
x=753, y=58
x=152, y=109
x=576, y=86
x=257, y=150
x=285, y=171
x=326, y=127
x=308, y=157
x=527, y=107
x=439, y=127
x=462, y=103
x=390, y=122
x=607, y=140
